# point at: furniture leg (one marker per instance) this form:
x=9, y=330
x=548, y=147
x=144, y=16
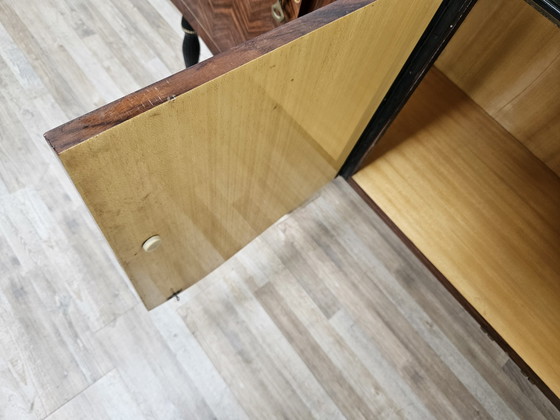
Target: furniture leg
x=191, y=45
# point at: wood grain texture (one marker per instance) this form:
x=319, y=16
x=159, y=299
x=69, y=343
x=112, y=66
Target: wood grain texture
x=93, y=123
x=506, y=57
x=224, y=24
x=395, y=344
x=482, y=208
x=436, y=36
x=75, y=342
x=214, y=167
x=526, y=370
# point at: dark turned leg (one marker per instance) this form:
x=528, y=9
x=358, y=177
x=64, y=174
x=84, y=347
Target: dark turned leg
x=191, y=46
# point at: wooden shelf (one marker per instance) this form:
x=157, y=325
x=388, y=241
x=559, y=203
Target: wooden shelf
x=482, y=208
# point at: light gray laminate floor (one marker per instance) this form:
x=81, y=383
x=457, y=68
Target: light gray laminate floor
x=326, y=315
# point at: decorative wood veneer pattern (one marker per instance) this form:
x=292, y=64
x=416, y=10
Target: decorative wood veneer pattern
x=223, y=24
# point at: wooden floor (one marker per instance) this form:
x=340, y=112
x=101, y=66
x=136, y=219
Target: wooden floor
x=482, y=208
x=325, y=315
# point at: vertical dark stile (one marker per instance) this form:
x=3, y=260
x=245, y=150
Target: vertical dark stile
x=447, y=19
x=549, y=8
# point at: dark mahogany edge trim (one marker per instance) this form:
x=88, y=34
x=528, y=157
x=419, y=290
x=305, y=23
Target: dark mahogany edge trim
x=80, y=129
x=548, y=8
x=484, y=324
x=441, y=28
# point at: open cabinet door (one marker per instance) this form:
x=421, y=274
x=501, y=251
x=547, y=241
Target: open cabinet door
x=210, y=157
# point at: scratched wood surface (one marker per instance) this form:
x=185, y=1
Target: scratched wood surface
x=482, y=208
x=212, y=168
x=506, y=57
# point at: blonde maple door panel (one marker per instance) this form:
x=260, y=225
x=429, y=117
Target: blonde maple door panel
x=236, y=141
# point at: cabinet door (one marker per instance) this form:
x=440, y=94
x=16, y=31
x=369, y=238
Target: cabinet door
x=210, y=157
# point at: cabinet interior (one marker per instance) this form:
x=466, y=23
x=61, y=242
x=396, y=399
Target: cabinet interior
x=469, y=171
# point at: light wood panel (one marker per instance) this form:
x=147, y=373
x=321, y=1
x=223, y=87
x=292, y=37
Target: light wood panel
x=482, y=208
x=506, y=56
x=212, y=168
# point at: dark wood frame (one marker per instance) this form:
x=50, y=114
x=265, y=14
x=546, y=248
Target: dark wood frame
x=223, y=24
x=549, y=8
x=447, y=19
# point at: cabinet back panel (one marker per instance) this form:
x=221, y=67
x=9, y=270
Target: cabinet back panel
x=506, y=57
